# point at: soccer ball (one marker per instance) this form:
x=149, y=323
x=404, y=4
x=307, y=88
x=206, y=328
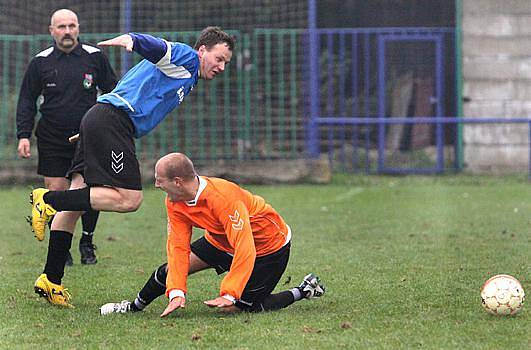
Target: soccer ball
x=502, y=295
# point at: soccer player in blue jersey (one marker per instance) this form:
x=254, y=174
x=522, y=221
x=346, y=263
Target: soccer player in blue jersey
x=105, y=171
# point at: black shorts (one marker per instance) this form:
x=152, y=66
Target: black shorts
x=267, y=271
x=105, y=152
x=55, y=152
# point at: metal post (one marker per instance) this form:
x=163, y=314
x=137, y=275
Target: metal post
x=459, y=81
x=439, y=77
x=381, y=102
x=312, y=132
x=125, y=27
x=367, y=86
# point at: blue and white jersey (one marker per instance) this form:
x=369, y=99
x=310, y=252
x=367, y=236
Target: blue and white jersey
x=155, y=86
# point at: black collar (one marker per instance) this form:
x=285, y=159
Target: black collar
x=78, y=50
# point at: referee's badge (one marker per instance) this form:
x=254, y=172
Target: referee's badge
x=88, y=81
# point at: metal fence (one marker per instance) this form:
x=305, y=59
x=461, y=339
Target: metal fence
x=364, y=144
x=373, y=100
x=252, y=111
x=380, y=73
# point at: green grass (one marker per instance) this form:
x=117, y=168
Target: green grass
x=402, y=258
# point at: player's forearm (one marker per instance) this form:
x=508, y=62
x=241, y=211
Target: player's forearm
x=26, y=110
x=150, y=47
x=178, y=254
x=240, y=271
x=25, y=120
x=177, y=274
x=234, y=283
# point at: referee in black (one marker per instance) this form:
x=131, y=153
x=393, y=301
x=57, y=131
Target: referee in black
x=67, y=76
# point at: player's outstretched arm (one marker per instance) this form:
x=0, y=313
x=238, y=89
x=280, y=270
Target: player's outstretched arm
x=124, y=40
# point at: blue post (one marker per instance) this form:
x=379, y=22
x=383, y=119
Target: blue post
x=312, y=132
x=367, y=84
x=381, y=103
x=355, y=111
x=125, y=24
x=330, y=95
x=439, y=76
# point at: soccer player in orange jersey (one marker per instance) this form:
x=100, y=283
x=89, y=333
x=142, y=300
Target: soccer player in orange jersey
x=244, y=236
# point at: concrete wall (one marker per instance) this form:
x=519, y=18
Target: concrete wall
x=497, y=82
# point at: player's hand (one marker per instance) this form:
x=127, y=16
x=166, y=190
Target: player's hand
x=124, y=40
x=224, y=304
x=175, y=303
x=73, y=139
x=23, y=148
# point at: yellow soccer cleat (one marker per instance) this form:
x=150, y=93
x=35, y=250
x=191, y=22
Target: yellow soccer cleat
x=41, y=213
x=54, y=293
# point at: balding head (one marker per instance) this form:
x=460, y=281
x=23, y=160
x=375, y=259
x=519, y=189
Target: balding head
x=62, y=14
x=64, y=28
x=176, y=165
x=175, y=175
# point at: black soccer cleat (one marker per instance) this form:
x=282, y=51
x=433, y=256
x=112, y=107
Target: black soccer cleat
x=88, y=256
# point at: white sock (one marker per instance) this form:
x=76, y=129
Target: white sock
x=139, y=303
x=297, y=295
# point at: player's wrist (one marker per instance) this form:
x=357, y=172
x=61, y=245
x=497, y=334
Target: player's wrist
x=174, y=293
x=229, y=298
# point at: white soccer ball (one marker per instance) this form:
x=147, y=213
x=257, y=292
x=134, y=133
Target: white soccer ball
x=502, y=295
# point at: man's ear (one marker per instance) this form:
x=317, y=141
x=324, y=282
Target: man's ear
x=178, y=181
x=201, y=51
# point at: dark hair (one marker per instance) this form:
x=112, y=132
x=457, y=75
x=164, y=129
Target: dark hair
x=211, y=36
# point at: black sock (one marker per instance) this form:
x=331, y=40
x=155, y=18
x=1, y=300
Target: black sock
x=275, y=302
x=50, y=223
x=58, y=248
x=89, y=220
x=86, y=237
x=71, y=200
x=154, y=288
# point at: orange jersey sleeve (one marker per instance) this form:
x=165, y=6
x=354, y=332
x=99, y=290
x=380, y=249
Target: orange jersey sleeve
x=235, y=218
x=177, y=250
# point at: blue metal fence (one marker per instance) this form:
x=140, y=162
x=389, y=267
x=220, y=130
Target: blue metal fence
x=353, y=73
x=381, y=161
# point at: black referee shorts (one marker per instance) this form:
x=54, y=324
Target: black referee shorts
x=55, y=152
x=267, y=270
x=105, y=153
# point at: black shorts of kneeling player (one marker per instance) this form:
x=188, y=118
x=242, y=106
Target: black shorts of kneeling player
x=267, y=271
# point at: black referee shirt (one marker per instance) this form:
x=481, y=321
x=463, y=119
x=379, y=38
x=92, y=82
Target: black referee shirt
x=67, y=83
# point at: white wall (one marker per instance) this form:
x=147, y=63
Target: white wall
x=497, y=82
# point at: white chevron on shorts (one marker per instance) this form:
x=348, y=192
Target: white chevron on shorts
x=117, y=163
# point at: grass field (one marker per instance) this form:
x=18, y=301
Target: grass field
x=402, y=258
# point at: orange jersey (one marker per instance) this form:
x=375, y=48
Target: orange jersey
x=235, y=221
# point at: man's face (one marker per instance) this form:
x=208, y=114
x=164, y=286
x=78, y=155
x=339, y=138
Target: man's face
x=212, y=62
x=172, y=186
x=65, y=31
